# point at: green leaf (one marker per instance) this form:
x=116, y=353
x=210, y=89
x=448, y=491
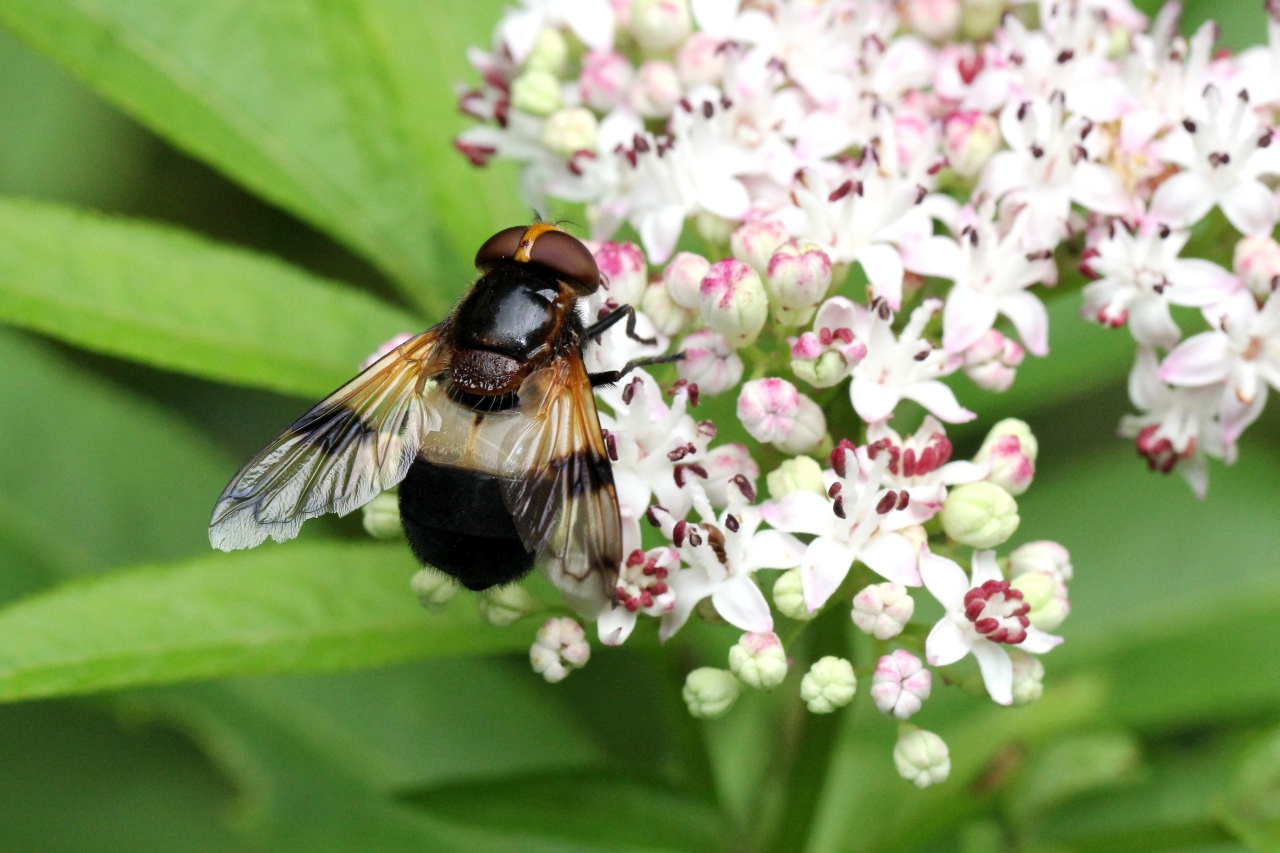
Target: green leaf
x=287, y=608
x=292, y=98
x=94, y=476
x=168, y=298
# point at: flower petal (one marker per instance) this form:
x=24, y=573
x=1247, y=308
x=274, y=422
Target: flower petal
x=801, y=512
x=997, y=670
x=892, y=557
x=773, y=549
x=743, y=605
x=944, y=579
x=1182, y=200
x=984, y=568
x=968, y=315
x=1038, y=642
x=939, y=399
x=947, y=643
x=824, y=567
x=1199, y=360
x=873, y=401
x=1251, y=208
x=1028, y=315
x=615, y=626
x=883, y=266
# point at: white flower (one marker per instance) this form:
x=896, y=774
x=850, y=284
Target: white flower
x=774, y=412
x=590, y=20
x=722, y=553
x=907, y=366
x=920, y=466
x=709, y=362
x=829, y=353
x=561, y=647
x=1224, y=155
x=984, y=615
x=1140, y=275
x=642, y=588
x=847, y=527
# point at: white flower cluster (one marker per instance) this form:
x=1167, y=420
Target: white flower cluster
x=948, y=168
x=816, y=144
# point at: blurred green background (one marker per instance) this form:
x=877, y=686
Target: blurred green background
x=1160, y=726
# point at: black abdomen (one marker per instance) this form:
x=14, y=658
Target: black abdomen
x=456, y=522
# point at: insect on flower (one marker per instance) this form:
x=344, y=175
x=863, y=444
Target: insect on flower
x=486, y=421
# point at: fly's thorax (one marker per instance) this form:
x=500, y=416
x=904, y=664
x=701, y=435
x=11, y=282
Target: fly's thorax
x=515, y=309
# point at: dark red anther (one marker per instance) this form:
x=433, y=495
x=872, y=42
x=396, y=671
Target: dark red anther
x=731, y=522
x=659, y=588
x=834, y=490
x=1189, y=125
x=1086, y=256
x=679, y=532
x=909, y=462
x=1219, y=158
x=697, y=470
x=838, y=507
x=904, y=498
x=707, y=428
x=695, y=538
x=838, y=456
x=969, y=67
x=1036, y=151
x=944, y=449
x=887, y=502
x=843, y=335
x=611, y=445
x=1065, y=56
x=923, y=354
x=646, y=598
x=685, y=105
x=744, y=486
x=640, y=143
x=629, y=391
x=708, y=109
x=636, y=558
x=841, y=191
x=652, y=514
x=824, y=337
x=725, y=102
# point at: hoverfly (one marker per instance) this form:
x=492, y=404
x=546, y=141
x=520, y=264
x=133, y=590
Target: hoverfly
x=486, y=421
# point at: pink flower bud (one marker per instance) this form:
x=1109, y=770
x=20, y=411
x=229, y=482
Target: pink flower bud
x=829, y=353
x=668, y=317
x=732, y=302
x=1257, y=262
x=660, y=25
x=755, y=242
x=624, y=274
x=768, y=408
x=605, y=78
x=1010, y=449
x=934, y=19
x=883, y=610
x=969, y=140
x=700, y=62
x=799, y=275
x=809, y=430
x=709, y=362
x=656, y=89
x=900, y=684
x=722, y=465
x=992, y=361
x=683, y=277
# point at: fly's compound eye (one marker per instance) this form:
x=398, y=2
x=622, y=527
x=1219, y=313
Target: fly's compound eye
x=500, y=247
x=568, y=258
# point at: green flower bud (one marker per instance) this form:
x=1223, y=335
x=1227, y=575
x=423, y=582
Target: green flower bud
x=381, y=516
x=710, y=692
x=797, y=474
x=536, y=93
x=788, y=594
x=829, y=684
x=1028, y=677
x=434, y=588
x=921, y=757
x=503, y=606
x=981, y=515
x=759, y=660
x=570, y=130
x=828, y=370
x=550, y=52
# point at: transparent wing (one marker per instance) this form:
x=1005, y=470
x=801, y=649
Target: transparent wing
x=558, y=486
x=356, y=442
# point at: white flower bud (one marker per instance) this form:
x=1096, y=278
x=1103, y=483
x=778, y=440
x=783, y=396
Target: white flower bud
x=968, y=141
x=536, y=93
x=504, y=606
x=656, y=89
x=883, y=609
x=710, y=692
x=799, y=274
x=982, y=515
x=550, y=52
x=755, y=242
x=561, y=647
x=1028, y=677
x=1041, y=556
x=433, y=588
x=829, y=684
x=723, y=464
x=921, y=757
x=992, y=361
x=732, y=301
x=606, y=77
x=938, y=20
x=569, y=131
x=381, y=516
x=1047, y=597
x=660, y=25
x=709, y=362
x=683, y=276
x=1010, y=449
x=809, y=430
x=759, y=660
x=788, y=595
x=668, y=318
x=624, y=273
x=797, y=474
x=900, y=684
x=700, y=61
x=1257, y=262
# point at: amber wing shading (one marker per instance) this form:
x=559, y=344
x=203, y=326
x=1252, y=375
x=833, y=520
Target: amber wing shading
x=558, y=486
x=356, y=442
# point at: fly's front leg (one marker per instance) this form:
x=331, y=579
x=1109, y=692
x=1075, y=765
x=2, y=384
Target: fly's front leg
x=598, y=328
x=609, y=377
